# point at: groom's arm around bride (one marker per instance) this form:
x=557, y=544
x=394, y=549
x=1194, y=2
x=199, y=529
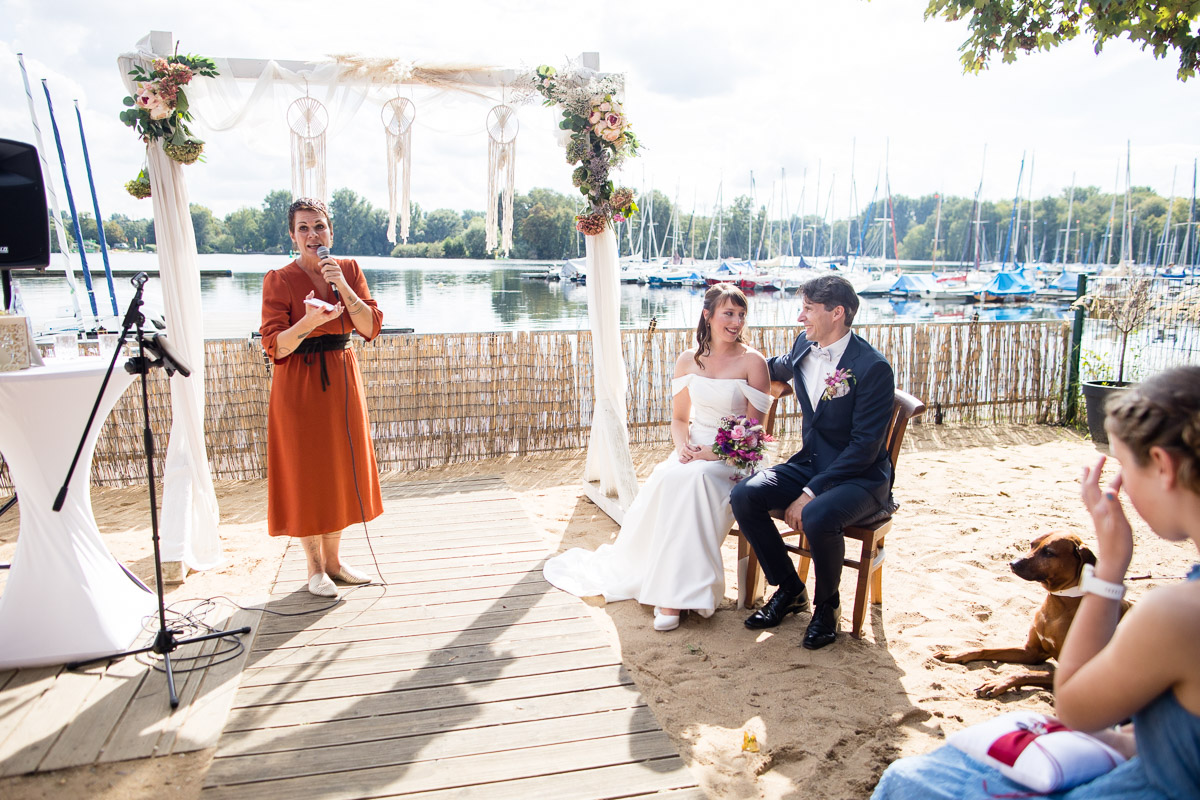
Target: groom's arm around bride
x=842, y=473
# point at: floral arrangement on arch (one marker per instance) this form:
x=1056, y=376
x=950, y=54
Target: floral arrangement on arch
x=600, y=139
x=159, y=109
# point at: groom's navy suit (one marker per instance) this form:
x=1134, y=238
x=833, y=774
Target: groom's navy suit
x=843, y=462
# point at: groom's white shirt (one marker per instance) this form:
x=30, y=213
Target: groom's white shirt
x=815, y=370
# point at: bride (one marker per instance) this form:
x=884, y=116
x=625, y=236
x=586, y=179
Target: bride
x=668, y=552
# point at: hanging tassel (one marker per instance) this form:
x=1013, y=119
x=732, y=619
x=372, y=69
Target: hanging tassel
x=398, y=116
x=502, y=150
x=308, y=120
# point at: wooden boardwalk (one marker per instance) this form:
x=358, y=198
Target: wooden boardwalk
x=466, y=676
x=51, y=718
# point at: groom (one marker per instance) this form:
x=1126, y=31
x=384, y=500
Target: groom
x=841, y=475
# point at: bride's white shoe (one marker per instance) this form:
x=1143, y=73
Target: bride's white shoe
x=665, y=622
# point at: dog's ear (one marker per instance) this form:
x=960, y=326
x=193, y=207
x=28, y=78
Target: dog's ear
x=1038, y=541
x=1086, y=556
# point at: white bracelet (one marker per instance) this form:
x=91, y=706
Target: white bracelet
x=1093, y=585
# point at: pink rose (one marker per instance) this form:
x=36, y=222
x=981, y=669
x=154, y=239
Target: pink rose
x=614, y=120
x=751, y=441
x=610, y=134
x=149, y=99
x=738, y=431
x=595, y=117
x=605, y=106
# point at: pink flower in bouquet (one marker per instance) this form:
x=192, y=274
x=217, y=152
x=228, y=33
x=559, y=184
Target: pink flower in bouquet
x=590, y=224
x=614, y=120
x=606, y=106
x=738, y=432
x=611, y=134
x=595, y=117
x=151, y=100
x=617, y=217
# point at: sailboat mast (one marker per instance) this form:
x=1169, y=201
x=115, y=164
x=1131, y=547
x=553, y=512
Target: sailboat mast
x=1070, y=207
x=1112, y=214
x=1029, y=239
x=1187, y=233
x=1012, y=218
x=1162, y=247
x=937, y=230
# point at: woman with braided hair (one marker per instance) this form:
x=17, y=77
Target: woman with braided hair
x=1146, y=668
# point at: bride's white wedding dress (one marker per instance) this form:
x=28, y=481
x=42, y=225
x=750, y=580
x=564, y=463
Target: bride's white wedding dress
x=668, y=552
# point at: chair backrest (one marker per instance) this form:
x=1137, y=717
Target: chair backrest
x=904, y=408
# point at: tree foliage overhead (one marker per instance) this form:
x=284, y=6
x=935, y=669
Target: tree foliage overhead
x=1007, y=27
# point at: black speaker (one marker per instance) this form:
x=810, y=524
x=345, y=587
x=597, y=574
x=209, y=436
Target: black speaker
x=24, y=221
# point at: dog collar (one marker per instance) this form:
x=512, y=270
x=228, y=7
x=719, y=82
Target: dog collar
x=1073, y=591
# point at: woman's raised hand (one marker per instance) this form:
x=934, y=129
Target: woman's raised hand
x=331, y=272
x=318, y=315
x=1114, y=535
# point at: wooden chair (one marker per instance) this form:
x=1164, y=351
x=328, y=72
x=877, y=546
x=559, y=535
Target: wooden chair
x=870, y=532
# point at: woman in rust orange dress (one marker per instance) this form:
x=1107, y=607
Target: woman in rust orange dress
x=321, y=470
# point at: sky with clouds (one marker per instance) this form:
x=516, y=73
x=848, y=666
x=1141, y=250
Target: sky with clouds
x=715, y=90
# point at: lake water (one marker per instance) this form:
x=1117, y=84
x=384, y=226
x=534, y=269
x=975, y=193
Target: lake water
x=458, y=295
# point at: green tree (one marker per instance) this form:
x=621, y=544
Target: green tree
x=1009, y=27
x=272, y=225
x=206, y=228
x=114, y=233
x=442, y=223
x=474, y=239
x=243, y=226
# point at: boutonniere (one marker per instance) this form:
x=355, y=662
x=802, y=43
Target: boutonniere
x=837, y=384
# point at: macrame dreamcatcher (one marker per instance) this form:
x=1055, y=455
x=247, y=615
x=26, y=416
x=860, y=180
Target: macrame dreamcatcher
x=502, y=125
x=398, y=116
x=308, y=121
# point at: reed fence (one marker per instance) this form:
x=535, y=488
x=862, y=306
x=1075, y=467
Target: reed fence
x=444, y=398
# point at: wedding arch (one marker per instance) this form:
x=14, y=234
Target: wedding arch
x=342, y=84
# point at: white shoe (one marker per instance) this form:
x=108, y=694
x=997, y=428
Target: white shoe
x=665, y=622
x=322, y=586
x=348, y=574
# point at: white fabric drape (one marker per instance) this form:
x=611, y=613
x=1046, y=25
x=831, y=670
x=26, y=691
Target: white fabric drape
x=190, y=514
x=609, y=461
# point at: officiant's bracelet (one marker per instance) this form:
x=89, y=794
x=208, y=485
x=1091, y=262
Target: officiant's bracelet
x=1090, y=584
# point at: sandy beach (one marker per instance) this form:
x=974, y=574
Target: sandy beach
x=827, y=722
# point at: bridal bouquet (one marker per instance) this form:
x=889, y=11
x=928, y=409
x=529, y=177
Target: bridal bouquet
x=740, y=442
x=159, y=109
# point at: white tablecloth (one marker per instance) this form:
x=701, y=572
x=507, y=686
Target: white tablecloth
x=66, y=598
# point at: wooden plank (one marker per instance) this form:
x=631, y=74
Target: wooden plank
x=497, y=566
x=147, y=728
x=450, y=642
x=21, y=695
x=654, y=779
x=352, y=756
x=428, y=722
x=90, y=728
x=459, y=771
x=419, y=627
x=404, y=596
x=267, y=676
x=208, y=710
x=414, y=611
x=284, y=714
x=483, y=585
x=460, y=676
x=392, y=565
x=23, y=750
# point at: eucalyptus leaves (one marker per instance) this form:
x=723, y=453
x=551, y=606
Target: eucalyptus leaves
x=159, y=109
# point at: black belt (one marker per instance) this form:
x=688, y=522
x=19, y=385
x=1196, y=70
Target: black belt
x=319, y=345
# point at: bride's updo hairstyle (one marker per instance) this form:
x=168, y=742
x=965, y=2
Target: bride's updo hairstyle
x=1162, y=411
x=713, y=298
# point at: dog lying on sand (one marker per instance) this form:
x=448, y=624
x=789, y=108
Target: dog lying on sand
x=1055, y=560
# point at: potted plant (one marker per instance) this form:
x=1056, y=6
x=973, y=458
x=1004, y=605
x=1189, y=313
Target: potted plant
x=1125, y=301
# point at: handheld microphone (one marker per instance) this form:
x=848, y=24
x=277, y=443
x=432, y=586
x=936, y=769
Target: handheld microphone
x=323, y=253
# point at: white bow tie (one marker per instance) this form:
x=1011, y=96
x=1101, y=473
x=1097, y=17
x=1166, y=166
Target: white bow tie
x=821, y=352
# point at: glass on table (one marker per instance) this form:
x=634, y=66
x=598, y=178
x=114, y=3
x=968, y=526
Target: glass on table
x=66, y=345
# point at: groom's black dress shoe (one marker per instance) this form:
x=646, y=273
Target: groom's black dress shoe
x=823, y=627
x=779, y=606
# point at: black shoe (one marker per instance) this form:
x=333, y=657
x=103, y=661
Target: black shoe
x=823, y=627
x=779, y=606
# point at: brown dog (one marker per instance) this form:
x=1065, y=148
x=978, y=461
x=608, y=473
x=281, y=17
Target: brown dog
x=1055, y=560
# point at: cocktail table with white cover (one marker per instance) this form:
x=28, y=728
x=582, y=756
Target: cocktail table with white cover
x=66, y=598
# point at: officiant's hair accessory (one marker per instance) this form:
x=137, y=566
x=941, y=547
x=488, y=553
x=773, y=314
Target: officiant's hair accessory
x=1162, y=411
x=713, y=298
x=308, y=204
x=832, y=291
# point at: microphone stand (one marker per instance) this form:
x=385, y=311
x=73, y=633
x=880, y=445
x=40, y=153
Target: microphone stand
x=166, y=641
